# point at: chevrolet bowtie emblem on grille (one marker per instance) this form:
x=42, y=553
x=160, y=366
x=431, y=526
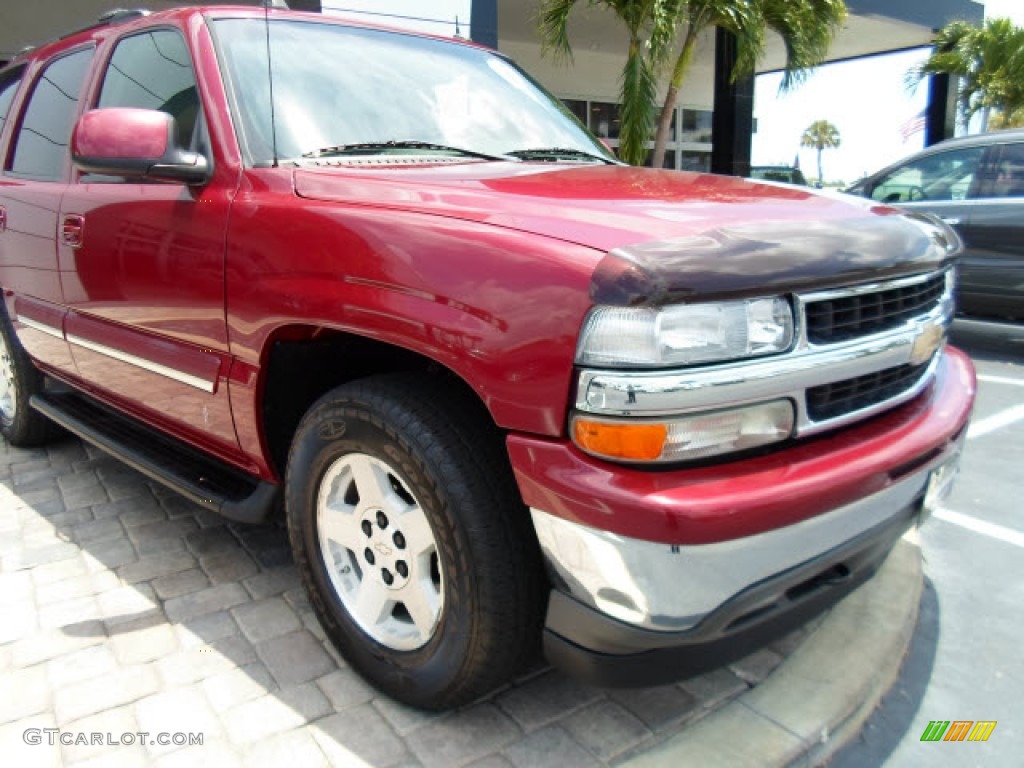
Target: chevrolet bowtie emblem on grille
x=925, y=344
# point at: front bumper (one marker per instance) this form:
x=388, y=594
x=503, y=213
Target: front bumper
x=661, y=575
x=593, y=647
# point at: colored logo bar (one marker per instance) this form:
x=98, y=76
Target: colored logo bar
x=959, y=730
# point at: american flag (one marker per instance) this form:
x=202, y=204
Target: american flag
x=913, y=125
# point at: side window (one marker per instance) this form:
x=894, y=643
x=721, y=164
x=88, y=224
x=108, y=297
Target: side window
x=154, y=71
x=945, y=176
x=8, y=87
x=45, y=130
x=1008, y=173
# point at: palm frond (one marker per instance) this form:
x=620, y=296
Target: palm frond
x=637, y=96
x=553, y=28
x=807, y=29
x=744, y=20
x=989, y=60
x=666, y=17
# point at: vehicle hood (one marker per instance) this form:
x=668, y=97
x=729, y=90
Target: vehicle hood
x=667, y=234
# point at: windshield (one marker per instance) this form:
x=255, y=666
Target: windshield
x=336, y=86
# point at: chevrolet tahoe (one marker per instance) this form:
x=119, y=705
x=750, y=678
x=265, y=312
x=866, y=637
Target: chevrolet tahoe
x=506, y=392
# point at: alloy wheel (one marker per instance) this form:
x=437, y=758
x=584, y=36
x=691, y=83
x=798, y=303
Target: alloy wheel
x=379, y=551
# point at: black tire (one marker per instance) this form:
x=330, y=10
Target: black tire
x=19, y=423
x=441, y=450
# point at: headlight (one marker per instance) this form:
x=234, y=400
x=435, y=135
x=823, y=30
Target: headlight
x=685, y=334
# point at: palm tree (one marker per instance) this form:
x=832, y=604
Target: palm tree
x=820, y=135
x=807, y=28
x=989, y=60
x=651, y=34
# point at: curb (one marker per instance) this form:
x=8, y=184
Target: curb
x=820, y=696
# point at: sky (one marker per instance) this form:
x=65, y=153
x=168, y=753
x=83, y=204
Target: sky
x=866, y=100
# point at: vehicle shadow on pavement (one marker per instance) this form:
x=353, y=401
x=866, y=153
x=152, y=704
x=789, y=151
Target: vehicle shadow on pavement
x=128, y=608
x=898, y=709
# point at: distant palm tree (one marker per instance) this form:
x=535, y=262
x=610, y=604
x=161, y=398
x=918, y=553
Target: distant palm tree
x=820, y=135
x=807, y=28
x=989, y=60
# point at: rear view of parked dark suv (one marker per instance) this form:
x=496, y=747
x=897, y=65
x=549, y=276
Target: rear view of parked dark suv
x=975, y=184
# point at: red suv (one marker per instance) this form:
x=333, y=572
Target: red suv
x=505, y=388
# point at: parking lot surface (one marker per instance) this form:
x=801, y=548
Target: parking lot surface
x=965, y=661
x=128, y=609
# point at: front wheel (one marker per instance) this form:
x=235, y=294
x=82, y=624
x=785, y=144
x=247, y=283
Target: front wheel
x=19, y=380
x=407, y=528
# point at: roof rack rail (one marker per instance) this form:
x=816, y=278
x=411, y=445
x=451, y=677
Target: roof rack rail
x=120, y=15
x=111, y=18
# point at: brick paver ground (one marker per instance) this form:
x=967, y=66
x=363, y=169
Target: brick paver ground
x=124, y=608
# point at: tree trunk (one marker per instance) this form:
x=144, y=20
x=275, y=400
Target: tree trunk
x=664, y=126
x=821, y=177
x=667, y=109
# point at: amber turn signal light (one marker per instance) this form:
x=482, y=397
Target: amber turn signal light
x=639, y=442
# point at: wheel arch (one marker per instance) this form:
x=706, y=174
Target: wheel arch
x=300, y=363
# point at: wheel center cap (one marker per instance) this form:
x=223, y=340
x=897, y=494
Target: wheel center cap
x=382, y=557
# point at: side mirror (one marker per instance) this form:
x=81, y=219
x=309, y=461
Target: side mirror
x=135, y=143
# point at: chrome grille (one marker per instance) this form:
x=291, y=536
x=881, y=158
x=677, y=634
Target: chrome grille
x=830, y=401
x=839, y=319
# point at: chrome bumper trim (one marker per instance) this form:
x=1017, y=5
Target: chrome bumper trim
x=672, y=588
x=661, y=393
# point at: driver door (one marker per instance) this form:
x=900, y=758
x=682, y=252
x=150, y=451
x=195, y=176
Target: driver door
x=142, y=262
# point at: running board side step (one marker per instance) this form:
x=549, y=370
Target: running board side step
x=207, y=481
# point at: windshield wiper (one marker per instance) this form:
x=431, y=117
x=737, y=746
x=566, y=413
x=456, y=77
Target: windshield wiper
x=554, y=154
x=376, y=147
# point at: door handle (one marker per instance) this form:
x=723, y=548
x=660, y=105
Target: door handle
x=72, y=230
x=953, y=221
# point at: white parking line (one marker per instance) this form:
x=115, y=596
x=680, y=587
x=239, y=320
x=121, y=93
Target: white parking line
x=1001, y=380
x=992, y=530
x=996, y=421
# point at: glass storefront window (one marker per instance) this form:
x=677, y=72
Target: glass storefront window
x=697, y=126
x=669, y=161
x=578, y=107
x=689, y=137
x=696, y=161
x=604, y=119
